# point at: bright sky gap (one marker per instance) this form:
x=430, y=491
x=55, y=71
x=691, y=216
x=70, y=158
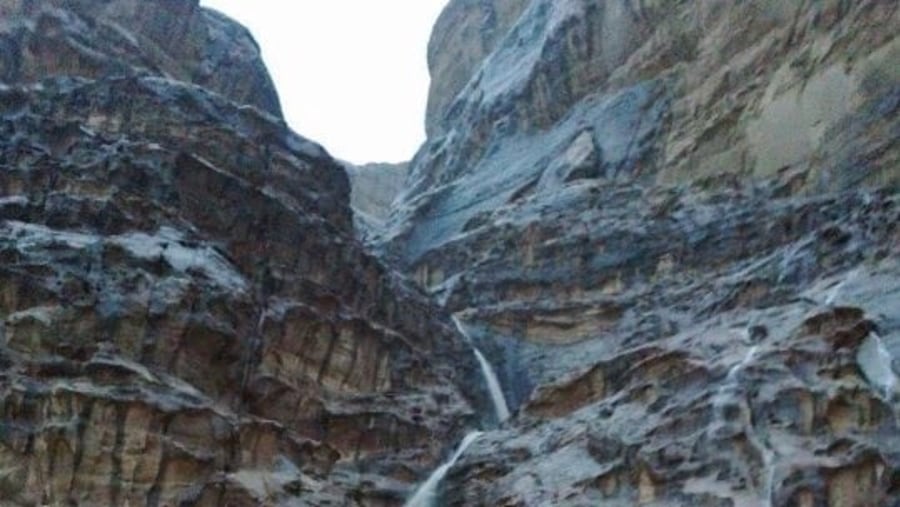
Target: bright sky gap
x=351, y=74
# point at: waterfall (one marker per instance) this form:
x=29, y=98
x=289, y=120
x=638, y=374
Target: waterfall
x=769, y=464
x=493, y=384
x=501, y=409
x=875, y=361
x=425, y=495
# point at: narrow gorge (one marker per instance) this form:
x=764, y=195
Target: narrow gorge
x=648, y=255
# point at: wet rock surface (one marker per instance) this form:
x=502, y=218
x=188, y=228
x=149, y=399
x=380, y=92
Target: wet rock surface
x=672, y=228
x=186, y=317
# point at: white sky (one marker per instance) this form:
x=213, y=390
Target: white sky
x=351, y=74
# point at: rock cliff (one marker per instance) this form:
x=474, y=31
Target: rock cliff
x=669, y=228
x=464, y=34
x=185, y=315
x=175, y=39
x=672, y=227
x=373, y=188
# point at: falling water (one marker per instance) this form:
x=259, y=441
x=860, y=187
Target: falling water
x=769, y=464
x=501, y=409
x=493, y=384
x=875, y=361
x=425, y=495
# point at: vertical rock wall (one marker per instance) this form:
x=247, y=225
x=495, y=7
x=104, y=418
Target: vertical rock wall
x=185, y=315
x=671, y=226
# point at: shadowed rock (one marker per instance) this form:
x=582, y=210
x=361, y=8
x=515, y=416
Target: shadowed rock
x=186, y=317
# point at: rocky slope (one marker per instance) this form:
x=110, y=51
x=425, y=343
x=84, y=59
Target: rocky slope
x=673, y=228
x=185, y=316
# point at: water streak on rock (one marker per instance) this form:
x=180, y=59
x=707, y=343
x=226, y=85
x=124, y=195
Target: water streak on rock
x=501, y=409
x=425, y=495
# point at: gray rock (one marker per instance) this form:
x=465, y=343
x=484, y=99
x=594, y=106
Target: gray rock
x=670, y=226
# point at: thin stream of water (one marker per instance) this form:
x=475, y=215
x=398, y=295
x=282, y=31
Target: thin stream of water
x=427, y=492
x=501, y=409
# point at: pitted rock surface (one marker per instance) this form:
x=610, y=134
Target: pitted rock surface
x=672, y=228
x=186, y=317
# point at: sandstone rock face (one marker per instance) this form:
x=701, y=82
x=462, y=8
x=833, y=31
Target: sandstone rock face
x=185, y=316
x=373, y=188
x=672, y=227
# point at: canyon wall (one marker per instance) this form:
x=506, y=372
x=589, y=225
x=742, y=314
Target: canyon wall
x=373, y=188
x=672, y=227
x=185, y=315
x=464, y=34
x=175, y=39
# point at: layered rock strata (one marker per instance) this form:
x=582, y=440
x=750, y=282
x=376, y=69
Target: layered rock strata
x=185, y=316
x=672, y=226
x=176, y=39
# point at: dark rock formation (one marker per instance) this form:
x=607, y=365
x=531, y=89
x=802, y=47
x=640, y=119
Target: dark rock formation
x=175, y=39
x=185, y=316
x=672, y=226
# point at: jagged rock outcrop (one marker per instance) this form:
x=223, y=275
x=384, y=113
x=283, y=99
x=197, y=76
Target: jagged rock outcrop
x=373, y=188
x=185, y=315
x=672, y=226
x=93, y=39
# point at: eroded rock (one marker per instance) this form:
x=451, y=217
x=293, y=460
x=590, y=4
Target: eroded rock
x=186, y=317
x=671, y=228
